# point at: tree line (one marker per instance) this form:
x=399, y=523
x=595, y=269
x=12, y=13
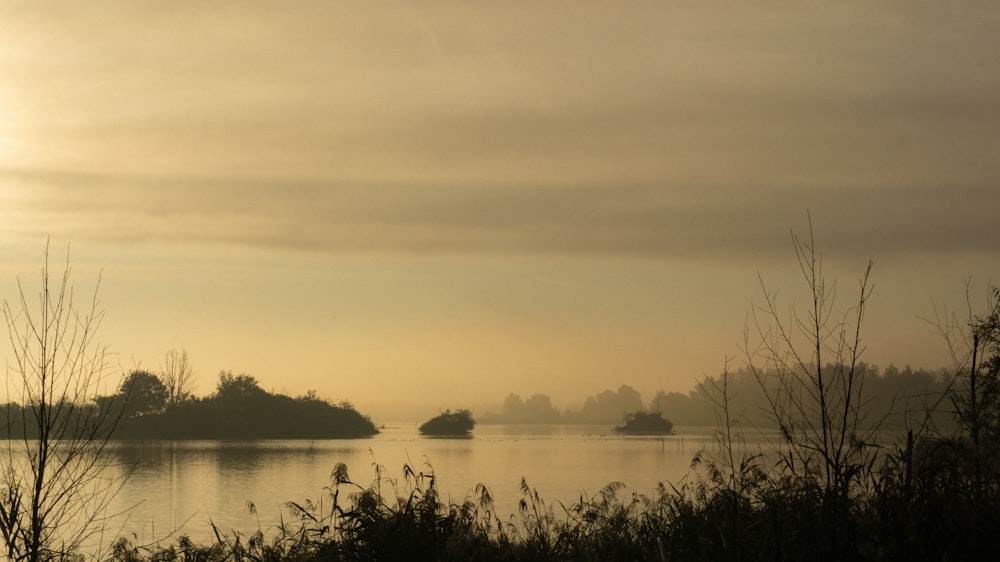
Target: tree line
x=150, y=405
x=906, y=394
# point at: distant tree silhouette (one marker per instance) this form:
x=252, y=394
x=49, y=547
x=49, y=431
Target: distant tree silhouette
x=610, y=406
x=178, y=376
x=537, y=408
x=909, y=395
x=513, y=408
x=235, y=388
x=241, y=409
x=142, y=393
x=692, y=408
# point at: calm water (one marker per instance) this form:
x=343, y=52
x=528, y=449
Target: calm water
x=185, y=484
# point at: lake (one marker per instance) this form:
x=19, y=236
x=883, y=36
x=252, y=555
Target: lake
x=180, y=486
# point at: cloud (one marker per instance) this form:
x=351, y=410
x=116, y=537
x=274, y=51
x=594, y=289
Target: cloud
x=450, y=92
x=582, y=220
x=662, y=131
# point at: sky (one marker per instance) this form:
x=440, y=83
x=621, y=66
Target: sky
x=434, y=204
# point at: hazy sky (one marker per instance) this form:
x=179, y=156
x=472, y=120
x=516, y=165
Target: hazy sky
x=443, y=202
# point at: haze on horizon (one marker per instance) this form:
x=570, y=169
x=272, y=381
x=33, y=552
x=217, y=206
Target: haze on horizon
x=442, y=203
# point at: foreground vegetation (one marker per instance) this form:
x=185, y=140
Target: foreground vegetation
x=832, y=489
x=933, y=512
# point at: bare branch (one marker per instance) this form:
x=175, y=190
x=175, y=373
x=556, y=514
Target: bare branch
x=57, y=488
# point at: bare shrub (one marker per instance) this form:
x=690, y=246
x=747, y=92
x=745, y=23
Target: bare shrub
x=55, y=489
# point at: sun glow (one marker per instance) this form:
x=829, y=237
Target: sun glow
x=18, y=150
x=6, y=149
x=8, y=139
x=14, y=130
x=6, y=142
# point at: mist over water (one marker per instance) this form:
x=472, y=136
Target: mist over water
x=185, y=486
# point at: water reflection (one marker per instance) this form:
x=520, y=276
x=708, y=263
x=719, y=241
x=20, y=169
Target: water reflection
x=186, y=485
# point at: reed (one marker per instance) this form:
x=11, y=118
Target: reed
x=770, y=515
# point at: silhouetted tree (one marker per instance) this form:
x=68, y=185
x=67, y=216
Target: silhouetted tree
x=810, y=372
x=690, y=409
x=610, y=406
x=977, y=401
x=178, y=377
x=976, y=395
x=538, y=408
x=237, y=388
x=142, y=393
x=240, y=409
x=54, y=493
x=457, y=423
x=513, y=408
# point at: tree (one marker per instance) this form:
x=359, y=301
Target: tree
x=178, y=377
x=809, y=370
x=513, y=407
x=975, y=390
x=55, y=491
x=237, y=388
x=694, y=408
x=457, y=423
x=611, y=406
x=142, y=393
x=538, y=408
x=977, y=401
x=977, y=405
x=965, y=468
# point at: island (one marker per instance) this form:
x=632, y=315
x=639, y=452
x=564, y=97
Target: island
x=239, y=409
x=646, y=423
x=449, y=424
x=265, y=416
